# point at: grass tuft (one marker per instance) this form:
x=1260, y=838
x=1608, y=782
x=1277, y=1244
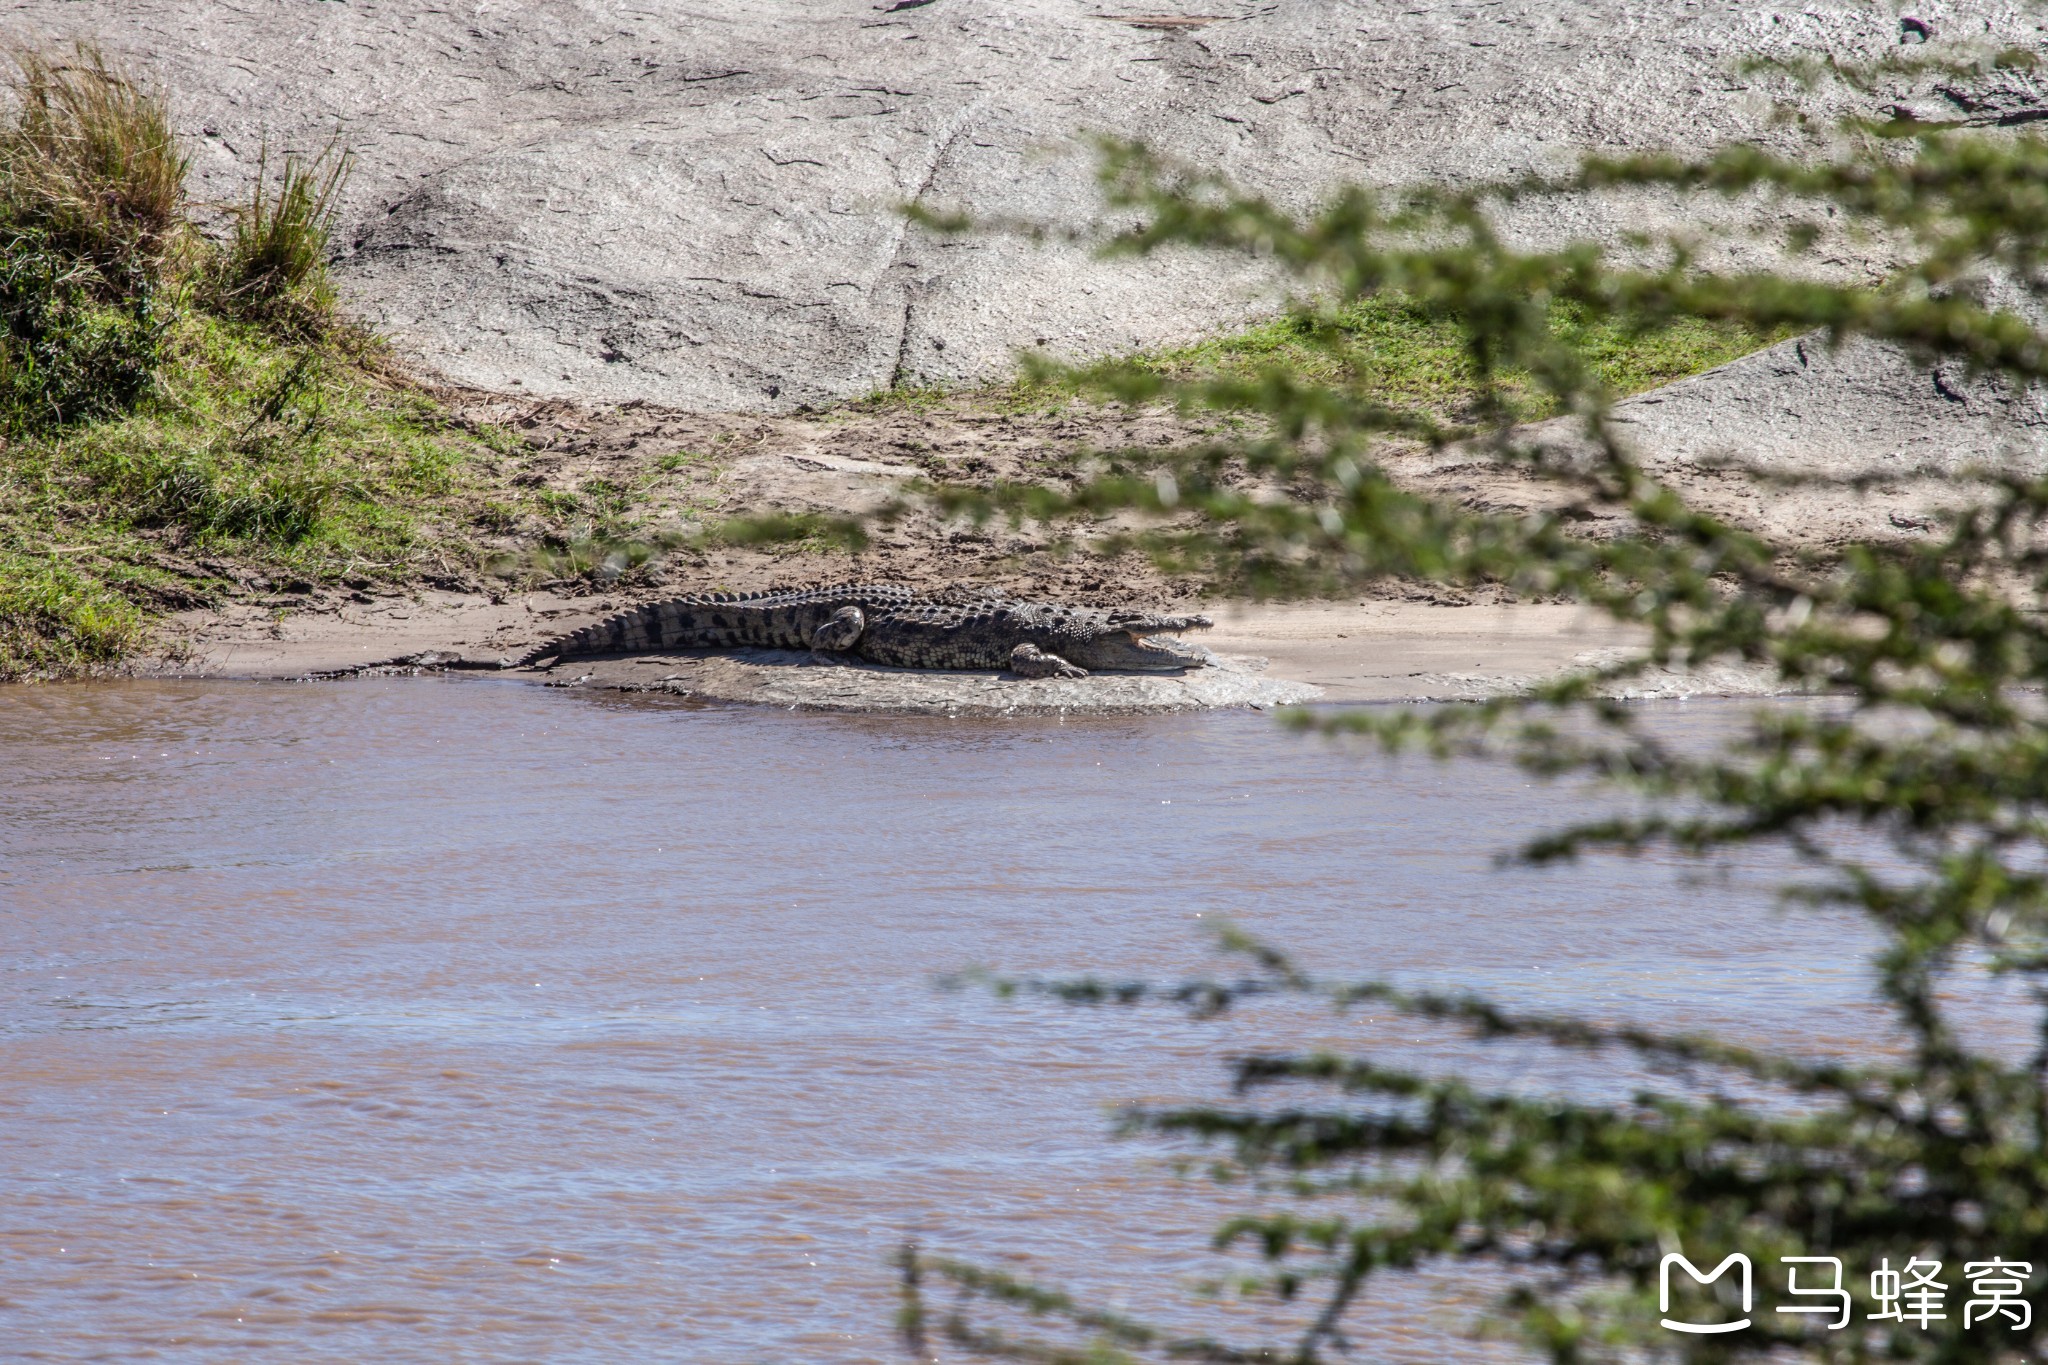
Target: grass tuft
x=91, y=162
x=274, y=271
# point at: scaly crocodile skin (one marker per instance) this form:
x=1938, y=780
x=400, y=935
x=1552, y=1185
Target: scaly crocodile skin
x=890, y=623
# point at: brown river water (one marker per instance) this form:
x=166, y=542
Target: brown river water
x=433, y=1019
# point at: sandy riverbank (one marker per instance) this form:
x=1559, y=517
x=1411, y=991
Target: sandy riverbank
x=1268, y=654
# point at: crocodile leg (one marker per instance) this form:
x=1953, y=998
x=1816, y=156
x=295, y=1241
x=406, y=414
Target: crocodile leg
x=1029, y=661
x=836, y=635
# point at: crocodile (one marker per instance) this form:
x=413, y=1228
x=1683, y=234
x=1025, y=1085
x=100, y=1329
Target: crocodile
x=896, y=625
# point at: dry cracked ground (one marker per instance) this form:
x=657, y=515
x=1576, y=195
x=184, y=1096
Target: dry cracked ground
x=664, y=242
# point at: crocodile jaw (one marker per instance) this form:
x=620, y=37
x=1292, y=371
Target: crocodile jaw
x=1135, y=652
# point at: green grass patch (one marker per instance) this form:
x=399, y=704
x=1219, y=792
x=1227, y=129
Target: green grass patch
x=1407, y=356
x=1383, y=347
x=56, y=618
x=291, y=461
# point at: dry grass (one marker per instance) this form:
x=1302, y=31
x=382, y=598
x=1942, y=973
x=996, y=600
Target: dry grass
x=92, y=164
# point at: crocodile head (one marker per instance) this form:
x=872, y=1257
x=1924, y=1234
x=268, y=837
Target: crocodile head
x=1125, y=642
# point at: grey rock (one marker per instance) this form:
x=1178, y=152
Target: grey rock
x=1861, y=409
x=696, y=205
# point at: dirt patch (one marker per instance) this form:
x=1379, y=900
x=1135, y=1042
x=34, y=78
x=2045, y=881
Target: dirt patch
x=1883, y=438
x=663, y=472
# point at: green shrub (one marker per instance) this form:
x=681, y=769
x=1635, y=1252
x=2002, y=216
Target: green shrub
x=66, y=353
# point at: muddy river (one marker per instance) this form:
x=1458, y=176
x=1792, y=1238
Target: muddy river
x=421, y=1019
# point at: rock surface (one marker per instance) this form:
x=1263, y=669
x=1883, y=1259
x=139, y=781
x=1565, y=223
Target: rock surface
x=1801, y=407
x=696, y=205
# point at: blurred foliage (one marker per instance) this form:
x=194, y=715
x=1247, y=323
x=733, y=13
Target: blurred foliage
x=1916, y=795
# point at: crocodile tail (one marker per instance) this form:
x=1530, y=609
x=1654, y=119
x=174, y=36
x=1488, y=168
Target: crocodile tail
x=700, y=620
x=774, y=620
x=616, y=634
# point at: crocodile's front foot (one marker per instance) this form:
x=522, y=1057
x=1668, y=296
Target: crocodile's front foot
x=829, y=640
x=1029, y=661
x=838, y=634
